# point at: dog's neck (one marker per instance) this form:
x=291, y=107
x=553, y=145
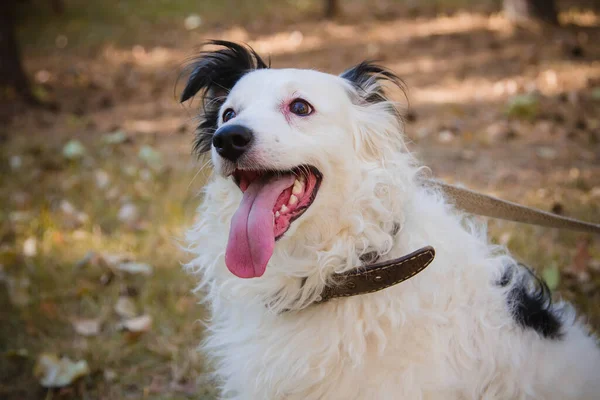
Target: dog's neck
x=372, y=276
x=375, y=240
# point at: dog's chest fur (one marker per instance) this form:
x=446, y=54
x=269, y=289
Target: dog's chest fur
x=448, y=333
x=354, y=350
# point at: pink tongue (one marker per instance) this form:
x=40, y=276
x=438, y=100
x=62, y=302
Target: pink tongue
x=251, y=236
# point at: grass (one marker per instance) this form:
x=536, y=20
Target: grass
x=47, y=290
x=42, y=293
x=88, y=25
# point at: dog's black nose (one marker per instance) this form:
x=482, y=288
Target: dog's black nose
x=231, y=141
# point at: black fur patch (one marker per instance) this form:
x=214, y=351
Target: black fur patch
x=213, y=74
x=530, y=302
x=367, y=78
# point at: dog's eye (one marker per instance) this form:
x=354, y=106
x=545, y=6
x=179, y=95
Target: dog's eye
x=300, y=107
x=228, y=114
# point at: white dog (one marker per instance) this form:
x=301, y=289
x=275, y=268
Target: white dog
x=312, y=179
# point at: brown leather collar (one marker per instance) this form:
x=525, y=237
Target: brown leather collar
x=375, y=277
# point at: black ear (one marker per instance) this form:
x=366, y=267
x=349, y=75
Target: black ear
x=367, y=77
x=213, y=75
x=219, y=70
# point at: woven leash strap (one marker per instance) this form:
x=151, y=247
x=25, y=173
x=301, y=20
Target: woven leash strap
x=489, y=206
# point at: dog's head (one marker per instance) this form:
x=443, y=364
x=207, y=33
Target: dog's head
x=296, y=143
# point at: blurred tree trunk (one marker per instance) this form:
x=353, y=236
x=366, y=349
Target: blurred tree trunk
x=57, y=6
x=332, y=8
x=12, y=73
x=531, y=10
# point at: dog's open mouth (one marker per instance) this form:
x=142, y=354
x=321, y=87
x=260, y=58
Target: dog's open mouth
x=272, y=201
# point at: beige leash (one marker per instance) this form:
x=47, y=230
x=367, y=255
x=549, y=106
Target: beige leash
x=489, y=206
x=375, y=277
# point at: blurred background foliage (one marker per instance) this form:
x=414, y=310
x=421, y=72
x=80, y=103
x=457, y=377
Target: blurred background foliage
x=98, y=184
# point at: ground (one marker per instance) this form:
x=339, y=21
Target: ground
x=109, y=177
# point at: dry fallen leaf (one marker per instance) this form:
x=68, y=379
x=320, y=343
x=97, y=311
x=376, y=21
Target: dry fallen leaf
x=595, y=193
x=87, y=327
x=142, y=323
x=125, y=307
x=119, y=263
x=102, y=178
x=73, y=150
x=116, y=137
x=112, y=259
x=445, y=136
x=135, y=268
x=16, y=162
x=192, y=22
x=72, y=215
x=128, y=213
x=54, y=372
x=30, y=247
x=109, y=375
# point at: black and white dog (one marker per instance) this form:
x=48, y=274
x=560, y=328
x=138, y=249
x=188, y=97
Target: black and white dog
x=311, y=173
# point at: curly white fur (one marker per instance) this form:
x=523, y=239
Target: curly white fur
x=447, y=333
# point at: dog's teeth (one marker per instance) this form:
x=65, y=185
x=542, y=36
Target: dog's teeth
x=298, y=187
x=293, y=200
x=277, y=214
x=283, y=209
